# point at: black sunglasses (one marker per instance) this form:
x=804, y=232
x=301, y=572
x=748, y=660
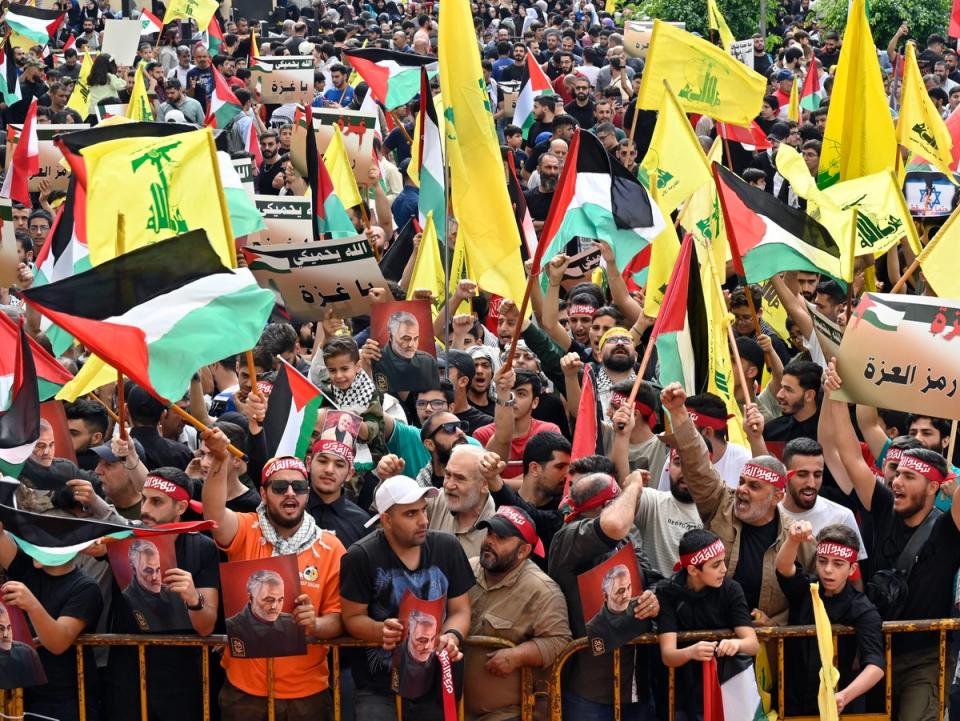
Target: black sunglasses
x=280, y=487
x=449, y=427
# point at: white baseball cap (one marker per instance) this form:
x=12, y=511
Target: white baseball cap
x=399, y=490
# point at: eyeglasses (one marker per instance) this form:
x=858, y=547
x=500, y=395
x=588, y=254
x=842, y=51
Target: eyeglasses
x=437, y=404
x=301, y=488
x=449, y=427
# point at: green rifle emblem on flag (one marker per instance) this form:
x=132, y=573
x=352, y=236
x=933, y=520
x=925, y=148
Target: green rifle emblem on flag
x=163, y=217
x=921, y=130
x=703, y=90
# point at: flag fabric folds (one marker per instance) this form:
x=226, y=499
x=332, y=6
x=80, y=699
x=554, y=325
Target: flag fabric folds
x=337, y=161
x=829, y=676
x=245, y=218
x=730, y=690
x=716, y=21
x=479, y=194
x=330, y=217
x=20, y=421
x=199, y=10
x=793, y=109
x=919, y=125
x=35, y=23
x=811, y=94
x=26, y=160
x=9, y=77
x=707, y=80
x=51, y=376
x=432, y=197
x=534, y=82
x=224, y=105
x=938, y=259
x=79, y=98
x=392, y=76
x=139, y=107
x=859, y=138
x=291, y=413
x=215, y=36
x=160, y=312
x=150, y=23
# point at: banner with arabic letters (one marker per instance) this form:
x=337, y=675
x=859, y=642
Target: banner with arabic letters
x=901, y=352
x=289, y=79
x=315, y=277
x=50, y=156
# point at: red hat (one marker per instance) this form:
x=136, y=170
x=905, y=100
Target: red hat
x=513, y=521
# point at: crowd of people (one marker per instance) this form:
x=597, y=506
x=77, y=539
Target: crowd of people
x=463, y=489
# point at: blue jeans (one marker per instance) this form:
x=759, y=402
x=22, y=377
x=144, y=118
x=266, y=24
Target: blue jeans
x=577, y=708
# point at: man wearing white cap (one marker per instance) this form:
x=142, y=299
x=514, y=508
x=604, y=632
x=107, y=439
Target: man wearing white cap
x=378, y=570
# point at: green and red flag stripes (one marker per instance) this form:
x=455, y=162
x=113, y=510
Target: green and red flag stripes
x=160, y=312
x=9, y=77
x=224, y=105
x=598, y=198
x=769, y=237
x=878, y=314
x=26, y=160
x=811, y=94
x=329, y=213
x=681, y=330
x=20, y=422
x=730, y=690
x=35, y=23
x=528, y=234
x=214, y=36
x=393, y=77
x=533, y=84
x=291, y=413
x=55, y=540
x=51, y=376
x=432, y=197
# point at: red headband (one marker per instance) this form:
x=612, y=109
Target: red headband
x=595, y=501
x=912, y=463
x=617, y=399
x=334, y=448
x=704, y=421
x=581, y=309
x=698, y=558
x=177, y=493
x=283, y=463
x=526, y=528
x=752, y=470
x=837, y=550
x=894, y=455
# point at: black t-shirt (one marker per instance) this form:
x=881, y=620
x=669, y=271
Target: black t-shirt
x=73, y=594
x=246, y=502
x=754, y=542
x=784, y=429
x=344, y=517
x=474, y=418
x=264, y=179
x=583, y=114
x=204, y=85
x=802, y=657
x=552, y=410
x=538, y=203
x=371, y=574
x=931, y=579
x=538, y=127
x=487, y=410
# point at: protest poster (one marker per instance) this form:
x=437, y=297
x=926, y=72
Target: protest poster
x=929, y=194
x=290, y=79
x=404, y=330
x=314, y=277
x=289, y=219
x=342, y=427
x=636, y=36
x=9, y=260
x=358, y=130
x=414, y=665
x=139, y=566
x=897, y=352
x=258, y=601
x=20, y=665
x=609, y=593
x=50, y=156
x=121, y=39
x=742, y=50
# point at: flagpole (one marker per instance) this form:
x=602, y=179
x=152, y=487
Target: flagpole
x=113, y=416
x=200, y=426
x=741, y=376
x=252, y=371
x=403, y=128
x=121, y=407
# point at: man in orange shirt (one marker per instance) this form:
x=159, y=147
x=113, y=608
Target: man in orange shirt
x=278, y=527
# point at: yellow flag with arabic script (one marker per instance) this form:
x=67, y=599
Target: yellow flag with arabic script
x=919, y=126
x=716, y=21
x=79, y=98
x=199, y=10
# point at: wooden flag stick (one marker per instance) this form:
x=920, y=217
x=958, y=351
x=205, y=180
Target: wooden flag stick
x=364, y=210
x=898, y=286
x=508, y=363
x=403, y=128
x=108, y=409
x=121, y=407
x=200, y=426
x=953, y=442
x=252, y=371
x=738, y=364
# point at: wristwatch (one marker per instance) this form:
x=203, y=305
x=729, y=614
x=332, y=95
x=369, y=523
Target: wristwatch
x=509, y=402
x=199, y=606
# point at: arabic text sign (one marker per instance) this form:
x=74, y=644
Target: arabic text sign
x=900, y=352
x=289, y=219
x=636, y=36
x=357, y=129
x=742, y=50
x=50, y=156
x=929, y=195
x=318, y=276
x=290, y=80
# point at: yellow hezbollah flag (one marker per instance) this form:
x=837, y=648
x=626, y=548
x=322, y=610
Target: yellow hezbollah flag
x=488, y=228
x=829, y=676
x=427, y=266
x=338, y=165
x=199, y=10
x=674, y=165
x=793, y=110
x=920, y=127
x=859, y=138
x=81, y=91
x=702, y=217
x=715, y=21
x=94, y=374
x=139, y=106
x=710, y=81
x=151, y=183
x=939, y=259
x=663, y=256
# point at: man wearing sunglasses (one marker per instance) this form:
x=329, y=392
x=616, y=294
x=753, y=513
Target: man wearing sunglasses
x=279, y=526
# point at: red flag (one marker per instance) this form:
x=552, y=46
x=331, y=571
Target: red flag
x=586, y=440
x=712, y=697
x=752, y=136
x=26, y=160
x=955, y=20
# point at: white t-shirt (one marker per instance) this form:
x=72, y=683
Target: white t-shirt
x=661, y=521
x=827, y=513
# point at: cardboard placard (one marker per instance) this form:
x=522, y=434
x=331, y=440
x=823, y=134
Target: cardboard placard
x=289, y=219
x=121, y=39
x=929, y=194
x=636, y=37
x=358, y=132
x=290, y=80
x=50, y=156
x=244, y=168
x=314, y=277
x=742, y=50
x=8, y=246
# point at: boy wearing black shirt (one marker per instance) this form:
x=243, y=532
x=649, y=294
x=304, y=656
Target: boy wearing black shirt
x=699, y=597
x=837, y=551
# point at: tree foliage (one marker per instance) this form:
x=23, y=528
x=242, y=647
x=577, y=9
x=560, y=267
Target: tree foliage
x=885, y=16
x=743, y=16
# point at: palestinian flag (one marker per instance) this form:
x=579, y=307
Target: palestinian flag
x=752, y=138
x=245, y=218
x=214, y=36
x=598, y=198
x=769, y=237
x=393, y=77
x=681, y=331
x=811, y=94
x=224, y=105
x=255, y=61
x=35, y=23
x=533, y=84
x=9, y=77
x=587, y=440
x=20, y=422
x=252, y=145
x=638, y=270
x=51, y=376
x=26, y=160
x=432, y=197
x=330, y=215
x=71, y=41
x=291, y=413
x=55, y=540
x=730, y=690
x=873, y=311
x=150, y=24
x=160, y=312
x=528, y=248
